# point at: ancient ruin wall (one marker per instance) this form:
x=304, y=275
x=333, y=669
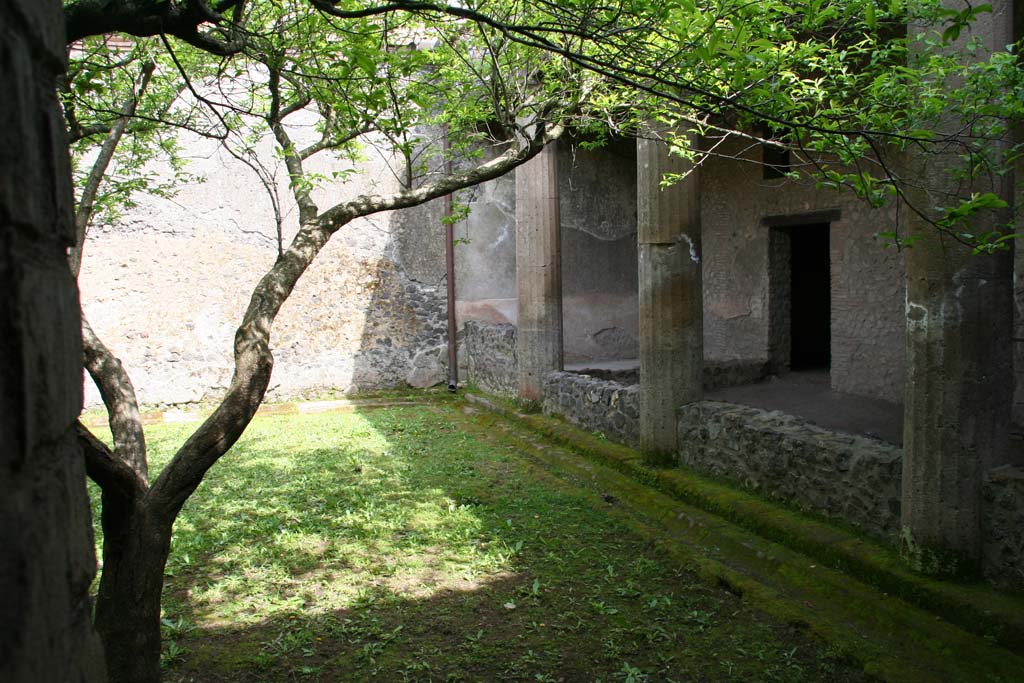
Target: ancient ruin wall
x=490, y=352
x=867, y=279
x=595, y=404
x=599, y=264
x=166, y=285
x=846, y=478
x=849, y=479
x=597, y=198
x=1002, y=525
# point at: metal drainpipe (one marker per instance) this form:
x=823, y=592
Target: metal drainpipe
x=449, y=259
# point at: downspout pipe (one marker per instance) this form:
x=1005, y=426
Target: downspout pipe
x=449, y=259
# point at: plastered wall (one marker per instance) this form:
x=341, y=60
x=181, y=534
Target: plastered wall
x=597, y=201
x=867, y=297
x=165, y=287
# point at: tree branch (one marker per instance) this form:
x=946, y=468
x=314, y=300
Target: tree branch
x=109, y=472
x=148, y=18
x=119, y=398
x=253, y=359
x=364, y=205
x=83, y=213
x=292, y=159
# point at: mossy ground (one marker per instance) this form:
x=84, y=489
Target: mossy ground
x=391, y=545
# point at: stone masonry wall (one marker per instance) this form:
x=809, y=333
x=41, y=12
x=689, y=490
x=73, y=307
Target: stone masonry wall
x=846, y=478
x=165, y=287
x=741, y=293
x=849, y=479
x=1003, y=526
x=843, y=477
x=595, y=405
x=47, y=561
x=490, y=352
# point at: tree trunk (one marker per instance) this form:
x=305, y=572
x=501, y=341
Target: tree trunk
x=135, y=549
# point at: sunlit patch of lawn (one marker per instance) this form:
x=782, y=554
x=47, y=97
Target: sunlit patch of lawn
x=390, y=546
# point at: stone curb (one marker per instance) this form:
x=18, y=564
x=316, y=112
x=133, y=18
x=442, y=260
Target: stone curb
x=977, y=608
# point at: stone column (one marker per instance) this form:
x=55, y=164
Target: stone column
x=46, y=546
x=671, y=297
x=538, y=272
x=959, y=376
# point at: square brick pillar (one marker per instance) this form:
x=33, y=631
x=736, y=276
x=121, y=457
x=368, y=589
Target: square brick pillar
x=538, y=272
x=671, y=296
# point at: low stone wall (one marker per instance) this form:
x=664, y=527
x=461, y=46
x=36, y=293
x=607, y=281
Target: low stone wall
x=849, y=479
x=491, y=357
x=595, y=405
x=722, y=374
x=717, y=374
x=843, y=477
x=1003, y=526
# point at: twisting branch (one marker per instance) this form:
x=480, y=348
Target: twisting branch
x=106, y=469
x=118, y=395
x=268, y=179
x=83, y=213
x=129, y=455
x=253, y=359
x=301, y=190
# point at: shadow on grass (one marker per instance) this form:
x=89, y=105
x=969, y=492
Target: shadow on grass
x=391, y=546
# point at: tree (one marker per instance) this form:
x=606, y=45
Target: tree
x=292, y=65
x=831, y=80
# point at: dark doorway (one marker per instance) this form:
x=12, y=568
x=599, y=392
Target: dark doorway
x=810, y=296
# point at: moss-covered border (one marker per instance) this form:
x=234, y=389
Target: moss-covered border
x=975, y=607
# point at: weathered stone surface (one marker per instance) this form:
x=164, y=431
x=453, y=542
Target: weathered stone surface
x=166, y=286
x=594, y=404
x=717, y=375
x=491, y=357
x=47, y=560
x=429, y=367
x=743, y=290
x=721, y=374
x=670, y=294
x=597, y=205
x=846, y=478
x=538, y=272
x=1003, y=526
x=959, y=320
x=599, y=251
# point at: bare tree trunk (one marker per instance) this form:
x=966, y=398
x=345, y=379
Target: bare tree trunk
x=137, y=517
x=127, y=617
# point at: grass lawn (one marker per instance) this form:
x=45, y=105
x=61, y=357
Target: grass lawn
x=389, y=545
